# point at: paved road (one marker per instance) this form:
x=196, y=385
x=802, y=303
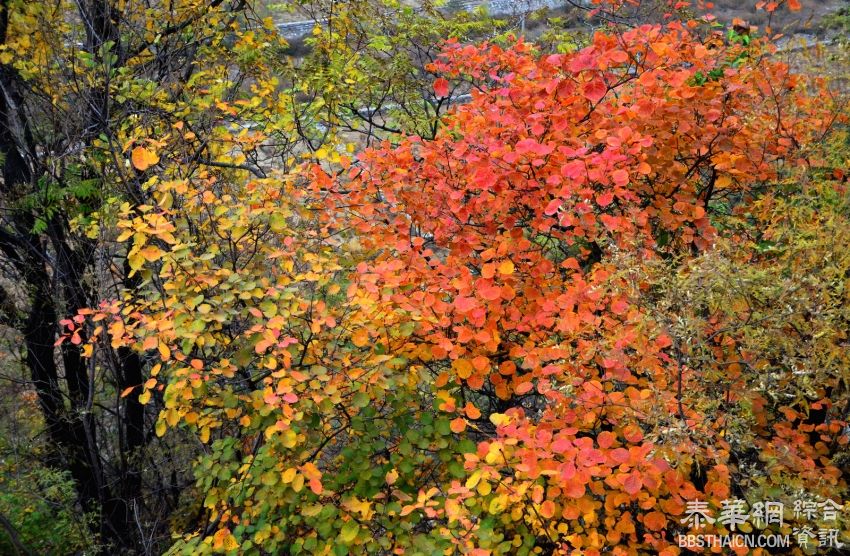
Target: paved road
x=298, y=29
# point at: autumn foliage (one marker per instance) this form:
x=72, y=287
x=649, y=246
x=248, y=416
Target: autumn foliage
x=545, y=330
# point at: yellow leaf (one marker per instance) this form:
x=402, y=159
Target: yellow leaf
x=171, y=417
x=205, y=434
x=230, y=543
x=497, y=504
x=164, y=352
x=145, y=397
x=135, y=260
x=298, y=483
x=493, y=455
x=289, y=475
x=484, y=488
x=499, y=419
x=507, y=267
x=165, y=200
x=289, y=438
x=143, y=159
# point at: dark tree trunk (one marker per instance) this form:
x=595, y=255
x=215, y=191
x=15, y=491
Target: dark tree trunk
x=49, y=278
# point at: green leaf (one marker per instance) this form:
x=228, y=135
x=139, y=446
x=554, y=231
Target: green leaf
x=360, y=399
x=349, y=532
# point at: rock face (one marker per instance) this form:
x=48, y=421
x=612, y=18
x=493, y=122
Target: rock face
x=295, y=29
x=298, y=29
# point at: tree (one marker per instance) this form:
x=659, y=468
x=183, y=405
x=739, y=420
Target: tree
x=469, y=342
x=101, y=103
x=504, y=229
x=85, y=86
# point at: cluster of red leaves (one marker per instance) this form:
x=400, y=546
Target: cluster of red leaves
x=495, y=237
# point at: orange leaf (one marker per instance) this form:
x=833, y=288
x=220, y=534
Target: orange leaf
x=524, y=388
x=506, y=267
x=463, y=368
x=471, y=411
x=458, y=425
x=360, y=338
x=655, y=521
x=143, y=159
x=547, y=509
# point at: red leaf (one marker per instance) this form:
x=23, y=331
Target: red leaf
x=619, y=455
x=620, y=177
x=605, y=199
x=619, y=306
x=464, y=304
x=561, y=445
x=552, y=207
x=594, y=90
x=316, y=486
x=605, y=439
x=441, y=87
x=633, y=483
x=490, y=293
x=632, y=433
